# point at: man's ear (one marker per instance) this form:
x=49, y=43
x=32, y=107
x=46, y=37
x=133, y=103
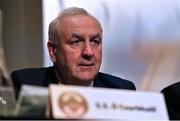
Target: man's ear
x=52, y=51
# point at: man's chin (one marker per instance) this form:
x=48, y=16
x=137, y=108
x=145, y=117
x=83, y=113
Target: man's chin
x=85, y=80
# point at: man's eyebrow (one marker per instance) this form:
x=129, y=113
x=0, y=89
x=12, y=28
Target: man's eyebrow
x=75, y=35
x=96, y=35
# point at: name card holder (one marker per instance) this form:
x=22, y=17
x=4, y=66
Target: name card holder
x=76, y=102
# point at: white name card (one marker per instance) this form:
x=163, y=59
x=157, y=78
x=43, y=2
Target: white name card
x=71, y=102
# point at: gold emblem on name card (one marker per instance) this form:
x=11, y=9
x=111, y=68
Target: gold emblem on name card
x=73, y=104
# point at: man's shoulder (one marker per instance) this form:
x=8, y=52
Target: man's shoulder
x=173, y=88
x=35, y=76
x=111, y=81
x=30, y=76
x=172, y=97
x=29, y=71
x=172, y=92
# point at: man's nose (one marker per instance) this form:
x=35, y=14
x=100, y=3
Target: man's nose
x=88, y=50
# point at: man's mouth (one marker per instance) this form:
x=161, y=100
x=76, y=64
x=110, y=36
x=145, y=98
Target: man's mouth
x=86, y=66
x=83, y=64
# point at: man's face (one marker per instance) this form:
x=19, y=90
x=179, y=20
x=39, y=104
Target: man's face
x=79, y=49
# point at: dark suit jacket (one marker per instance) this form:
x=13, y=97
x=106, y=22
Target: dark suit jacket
x=45, y=76
x=172, y=97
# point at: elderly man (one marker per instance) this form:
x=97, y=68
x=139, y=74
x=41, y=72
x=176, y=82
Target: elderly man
x=75, y=48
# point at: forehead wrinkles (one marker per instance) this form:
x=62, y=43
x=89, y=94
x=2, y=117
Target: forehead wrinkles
x=81, y=21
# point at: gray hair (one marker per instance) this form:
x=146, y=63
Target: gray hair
x=72, y=11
